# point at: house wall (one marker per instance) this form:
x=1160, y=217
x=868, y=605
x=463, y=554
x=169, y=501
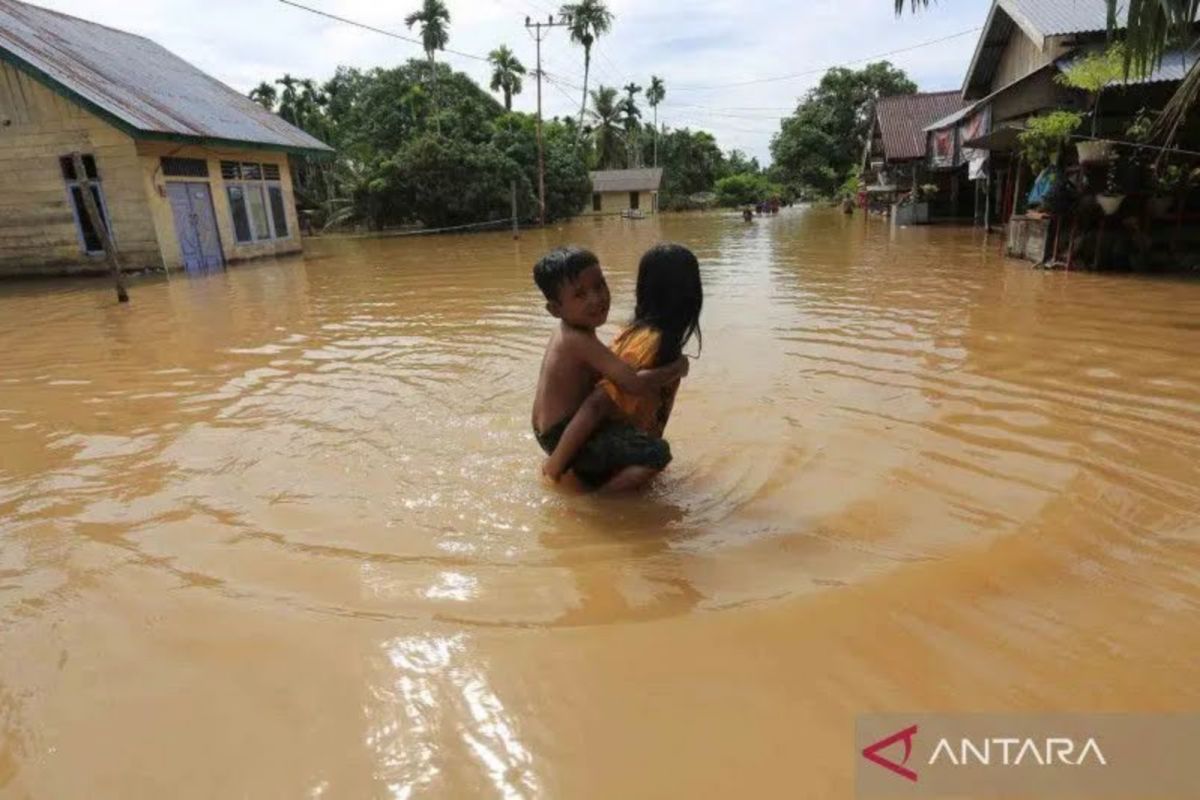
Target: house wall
x=1022, y=56
x=154, y=186
x=616, y=202
x=38, y=233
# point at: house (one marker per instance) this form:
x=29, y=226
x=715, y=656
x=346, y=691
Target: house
x=189, y=173
x=895, y=152
x=1024, y=46
x=616, y=191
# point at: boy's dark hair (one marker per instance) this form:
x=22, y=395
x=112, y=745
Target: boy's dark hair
x=560, y=266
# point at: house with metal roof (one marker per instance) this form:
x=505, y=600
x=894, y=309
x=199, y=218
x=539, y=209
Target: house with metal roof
x=895, y=151
x=187, y=172
x=619, y=191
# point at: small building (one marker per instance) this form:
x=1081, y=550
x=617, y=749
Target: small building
x=894, y=160
x=188, y=173
x=616, y=191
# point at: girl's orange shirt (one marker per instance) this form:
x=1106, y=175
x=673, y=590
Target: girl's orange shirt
x=638, y=347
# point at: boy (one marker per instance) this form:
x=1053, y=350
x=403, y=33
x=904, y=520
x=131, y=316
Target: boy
x=617, y=456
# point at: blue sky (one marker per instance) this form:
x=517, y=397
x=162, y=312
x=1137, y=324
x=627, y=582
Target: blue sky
x=699, y=47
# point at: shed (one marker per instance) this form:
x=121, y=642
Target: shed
x=191, y=173
x=618, y=190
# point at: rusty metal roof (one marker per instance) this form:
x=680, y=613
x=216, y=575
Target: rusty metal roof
x=902, y=120
x=137, y=85
x=627, y=180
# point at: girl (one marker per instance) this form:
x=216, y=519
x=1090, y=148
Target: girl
x=666, y=317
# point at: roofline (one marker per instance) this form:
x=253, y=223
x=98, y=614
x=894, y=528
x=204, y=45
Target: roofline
x=1019, y=19
x=60, y=88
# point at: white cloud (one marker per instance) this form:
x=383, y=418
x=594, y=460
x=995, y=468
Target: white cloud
x=689, y=43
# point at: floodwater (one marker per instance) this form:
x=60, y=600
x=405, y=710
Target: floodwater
x=279, y=532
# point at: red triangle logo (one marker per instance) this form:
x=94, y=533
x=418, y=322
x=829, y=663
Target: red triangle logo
x=871, y=753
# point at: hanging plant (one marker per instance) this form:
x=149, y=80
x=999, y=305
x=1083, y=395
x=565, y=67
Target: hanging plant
x=1092, y=74
x=1045, y=135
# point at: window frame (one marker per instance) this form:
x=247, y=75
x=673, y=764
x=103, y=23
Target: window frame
x=262, y=185
x=70, y=184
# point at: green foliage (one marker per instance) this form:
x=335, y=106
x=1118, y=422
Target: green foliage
x=745, y=189
x=1094, y=72
x=823, y=140
x=1045, y=135
x=607, y=115
x=506, y=74
x=434, y=22
x=587, y=21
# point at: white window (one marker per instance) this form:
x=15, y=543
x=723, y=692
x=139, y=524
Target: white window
x=255, y=201
x=88, y=237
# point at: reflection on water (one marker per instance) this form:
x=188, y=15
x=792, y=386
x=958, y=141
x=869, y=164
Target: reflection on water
x=287, y=519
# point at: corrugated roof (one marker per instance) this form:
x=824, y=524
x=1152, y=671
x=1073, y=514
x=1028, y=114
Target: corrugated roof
x=902, y=120
x=1174, y=66
x=137, y=85
x=1060, y=17
x=627, y=180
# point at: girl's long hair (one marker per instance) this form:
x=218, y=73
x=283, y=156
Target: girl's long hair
x=669, y=298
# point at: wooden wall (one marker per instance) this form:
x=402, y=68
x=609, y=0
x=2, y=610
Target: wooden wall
x=1022, y=56
x=150, y=155
x=38, y=234
x=616, y=202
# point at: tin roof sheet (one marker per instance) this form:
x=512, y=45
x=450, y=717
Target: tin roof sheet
x=903, y=118
x=137, y=84
x=626, y=180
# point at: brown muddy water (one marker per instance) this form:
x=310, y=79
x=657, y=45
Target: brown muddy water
x=279, y=532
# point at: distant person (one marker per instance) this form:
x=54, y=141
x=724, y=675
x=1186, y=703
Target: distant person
x=619, y=456
x=748, y=214
x=667, y=315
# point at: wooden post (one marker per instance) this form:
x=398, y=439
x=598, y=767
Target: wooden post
x=516, y=229
x=97, y=220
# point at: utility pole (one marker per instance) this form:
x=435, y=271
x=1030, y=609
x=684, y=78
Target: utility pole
x=537, y=28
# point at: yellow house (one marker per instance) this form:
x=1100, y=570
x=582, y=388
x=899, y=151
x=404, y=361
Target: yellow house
x=616, y=191
x=189, y=174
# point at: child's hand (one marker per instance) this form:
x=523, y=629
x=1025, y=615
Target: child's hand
x=547, y=469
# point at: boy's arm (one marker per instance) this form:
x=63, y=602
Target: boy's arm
x=594, y=410
x=623, y=376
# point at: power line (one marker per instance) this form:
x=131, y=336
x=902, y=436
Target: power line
x=372, y=28
x=815, y=70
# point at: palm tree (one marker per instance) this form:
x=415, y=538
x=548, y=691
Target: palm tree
x=606, y=114
x=654, y=96
x=265, y=95
x=506, y=74
x=288, y=97
x=1152, y=27
x=434, y=19
x=587, y=20
x=631, y=114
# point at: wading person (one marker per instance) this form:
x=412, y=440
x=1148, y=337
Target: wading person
x=666, y=317
x=619, y=456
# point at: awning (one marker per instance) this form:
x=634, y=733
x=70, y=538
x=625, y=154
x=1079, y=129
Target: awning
x=1003, y=138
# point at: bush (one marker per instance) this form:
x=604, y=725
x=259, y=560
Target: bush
x=745, y=189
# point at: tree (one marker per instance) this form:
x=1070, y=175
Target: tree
x=818, y=145
x=745, y=189
x=434, y=19
x=265, y=95
x=655, y=95
x=630, y=116
x=588, y=20
x=606, y=131
x=506, y=74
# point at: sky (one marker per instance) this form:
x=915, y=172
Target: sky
x=732, y=67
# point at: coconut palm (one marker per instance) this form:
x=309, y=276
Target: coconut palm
x=506, y=74
x=630, y=117
x=1151, y=28
x=434, y=19
x=587, y=20
x=606, y=129
x=655, y=95
x=265, y=95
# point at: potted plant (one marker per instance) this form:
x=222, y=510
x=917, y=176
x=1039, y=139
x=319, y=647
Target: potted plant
x=1110, y=201
x=1168, y=181
x=1092, y=74
x=1045, y=135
